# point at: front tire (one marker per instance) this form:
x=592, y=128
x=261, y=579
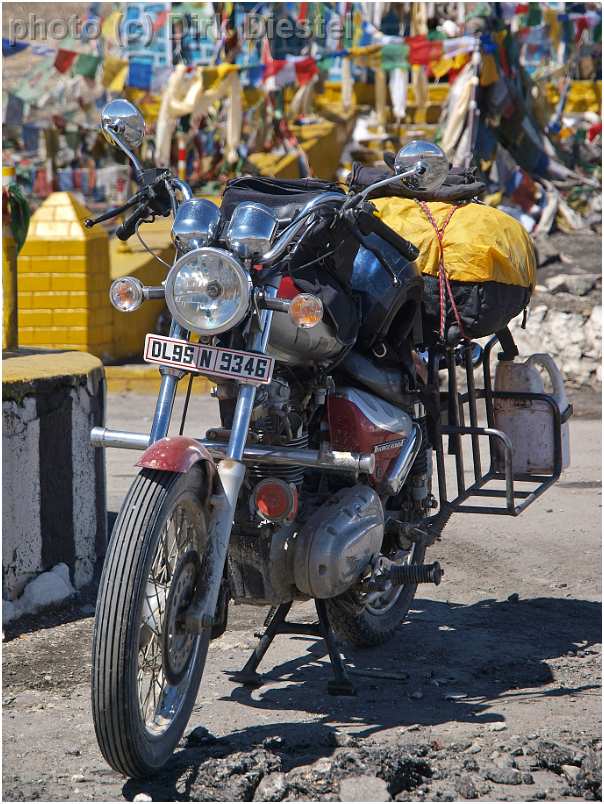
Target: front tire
x=146, y=669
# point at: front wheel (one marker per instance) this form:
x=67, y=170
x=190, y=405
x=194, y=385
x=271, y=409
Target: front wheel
x=146, y=668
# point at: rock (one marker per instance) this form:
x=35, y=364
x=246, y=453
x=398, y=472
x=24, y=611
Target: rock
x=556, y=284
x=340, y=739
x=581, y=284
x=364, y=788
x=572, y=773
x=553, y=756
x=142, y=797
x=592, y=771
x=9, y=612
x=497, y=727
x=527, y=778
x=474, y=749
x=455, y=696
x=275, y=741
x=78, y=778
x=417, y=695
x=233, y=778
x=200, y=736
x=272, y=788
x=471, y=765
x=504, y=775
x=466, y=788
x=514, y=597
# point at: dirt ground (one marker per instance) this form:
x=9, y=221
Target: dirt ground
x=491, y=690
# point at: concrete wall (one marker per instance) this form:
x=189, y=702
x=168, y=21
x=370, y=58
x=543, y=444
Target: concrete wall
x=53, y=481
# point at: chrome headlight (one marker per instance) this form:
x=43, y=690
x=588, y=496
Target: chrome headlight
x=208, y=291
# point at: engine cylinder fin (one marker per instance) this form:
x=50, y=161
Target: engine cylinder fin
x=288, y=473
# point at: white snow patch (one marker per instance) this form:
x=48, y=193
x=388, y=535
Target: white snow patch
x=44, y=590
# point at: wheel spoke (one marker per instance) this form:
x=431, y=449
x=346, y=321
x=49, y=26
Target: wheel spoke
x=159, y=700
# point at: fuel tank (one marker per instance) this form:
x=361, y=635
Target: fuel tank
x=361, y=421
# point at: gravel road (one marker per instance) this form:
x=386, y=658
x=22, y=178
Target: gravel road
x=490, y=692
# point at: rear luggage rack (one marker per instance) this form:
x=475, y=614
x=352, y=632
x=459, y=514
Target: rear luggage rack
x=451, y=406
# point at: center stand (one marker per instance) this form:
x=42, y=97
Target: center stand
x=276, y=623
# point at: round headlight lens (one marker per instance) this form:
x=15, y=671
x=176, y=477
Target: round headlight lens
x=208, y=291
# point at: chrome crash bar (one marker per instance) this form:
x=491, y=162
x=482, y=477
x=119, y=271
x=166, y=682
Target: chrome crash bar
x=357, y=463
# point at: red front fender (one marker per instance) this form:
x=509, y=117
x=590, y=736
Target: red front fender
x=176, y=454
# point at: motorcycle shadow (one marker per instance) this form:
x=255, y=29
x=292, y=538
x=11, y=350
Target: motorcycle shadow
x=450, y=663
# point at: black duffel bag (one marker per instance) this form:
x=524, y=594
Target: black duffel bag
x=285, y=197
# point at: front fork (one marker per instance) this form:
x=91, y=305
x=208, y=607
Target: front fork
x=231, y=471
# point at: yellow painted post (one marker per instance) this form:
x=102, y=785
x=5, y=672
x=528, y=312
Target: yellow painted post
x=63, y=274
x=9, y=275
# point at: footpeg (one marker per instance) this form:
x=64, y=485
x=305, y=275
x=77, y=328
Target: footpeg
x=412, y=574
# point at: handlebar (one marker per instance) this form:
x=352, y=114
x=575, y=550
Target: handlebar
x=154, y=197
x=112, y=213
x=294, y=228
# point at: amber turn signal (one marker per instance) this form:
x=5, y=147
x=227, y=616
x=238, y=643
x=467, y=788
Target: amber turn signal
x=306, y=310
x=126, y=294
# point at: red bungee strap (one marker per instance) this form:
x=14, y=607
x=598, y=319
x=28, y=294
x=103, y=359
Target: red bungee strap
x=443, y=279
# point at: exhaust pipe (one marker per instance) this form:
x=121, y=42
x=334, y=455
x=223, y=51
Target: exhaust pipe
x=354, y=462
x=395, y=479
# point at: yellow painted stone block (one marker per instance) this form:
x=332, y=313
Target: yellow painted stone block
x=24, y=299
x=42, y=301
x=40, y=264
x=70, y=282
x=35, y=318
x=72, y=318
x=34, y=282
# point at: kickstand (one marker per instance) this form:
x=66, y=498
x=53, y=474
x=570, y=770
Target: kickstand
x=276, y=623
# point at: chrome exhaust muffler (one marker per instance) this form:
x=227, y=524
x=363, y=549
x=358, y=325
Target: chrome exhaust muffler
x=399, y=469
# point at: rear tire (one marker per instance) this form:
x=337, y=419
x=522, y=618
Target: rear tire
x=149, y=576
x=367, y=628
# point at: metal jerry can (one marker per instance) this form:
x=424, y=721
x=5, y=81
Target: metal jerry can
x=529, y=423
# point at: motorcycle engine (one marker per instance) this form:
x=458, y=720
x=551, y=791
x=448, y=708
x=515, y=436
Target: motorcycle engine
x=324, y=549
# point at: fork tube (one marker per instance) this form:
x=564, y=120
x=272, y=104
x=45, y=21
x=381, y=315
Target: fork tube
x=167, y=393
x=231, y=473
x=247, y=393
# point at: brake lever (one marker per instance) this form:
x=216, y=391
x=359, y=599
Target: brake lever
x=112, y=213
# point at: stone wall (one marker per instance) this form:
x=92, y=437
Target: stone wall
x=569, y=327
x=53, y=480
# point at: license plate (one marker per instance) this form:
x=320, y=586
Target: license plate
x=215, y=361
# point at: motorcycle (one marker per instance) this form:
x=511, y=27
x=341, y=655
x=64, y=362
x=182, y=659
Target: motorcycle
x=318, y=483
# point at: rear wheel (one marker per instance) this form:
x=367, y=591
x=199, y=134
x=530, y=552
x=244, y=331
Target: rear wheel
x=146, y=668
x=370, y=620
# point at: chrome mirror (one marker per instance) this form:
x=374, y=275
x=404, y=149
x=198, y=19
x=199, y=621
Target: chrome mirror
x=424, y=165
x=251, y=230
x=122, y=124
x=195, y=224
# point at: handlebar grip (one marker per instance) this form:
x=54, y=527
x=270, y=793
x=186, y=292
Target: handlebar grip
x=128, y=227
